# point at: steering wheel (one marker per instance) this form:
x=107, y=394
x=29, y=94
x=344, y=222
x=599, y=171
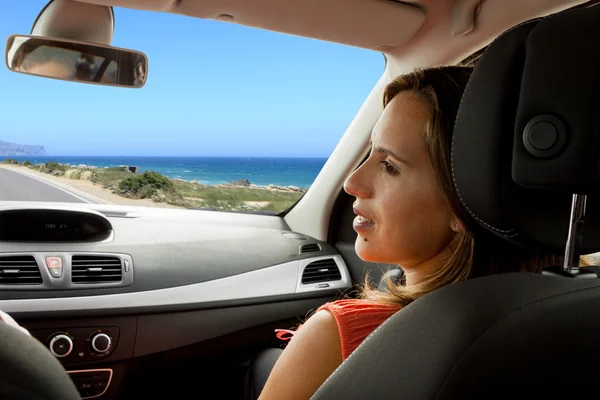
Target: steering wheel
x=28, y=371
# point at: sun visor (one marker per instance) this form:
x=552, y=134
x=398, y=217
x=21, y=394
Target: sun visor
x=527, y=136
x=367, y=24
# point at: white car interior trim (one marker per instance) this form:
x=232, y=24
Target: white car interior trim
x=154, y=213
x=277, y=280
x=366, y=24
x=343, y=283
x=464, y=13
x=77, y=21
x=434, y=44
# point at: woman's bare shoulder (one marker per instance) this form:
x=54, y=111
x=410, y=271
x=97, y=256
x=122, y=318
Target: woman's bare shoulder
x=312, y=355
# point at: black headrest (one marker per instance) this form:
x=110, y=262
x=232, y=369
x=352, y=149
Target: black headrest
x=527, y=135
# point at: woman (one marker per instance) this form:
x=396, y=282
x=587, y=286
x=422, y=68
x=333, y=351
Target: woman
x=408, y=213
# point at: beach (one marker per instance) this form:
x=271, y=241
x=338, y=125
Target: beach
x=118, y=185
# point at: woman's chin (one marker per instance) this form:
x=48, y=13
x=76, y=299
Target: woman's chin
x=364, y=249
x=370, y=251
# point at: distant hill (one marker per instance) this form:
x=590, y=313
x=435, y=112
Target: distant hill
x=14, y=149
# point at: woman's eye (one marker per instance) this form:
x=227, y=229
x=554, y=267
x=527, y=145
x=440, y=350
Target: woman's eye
x=388, y=168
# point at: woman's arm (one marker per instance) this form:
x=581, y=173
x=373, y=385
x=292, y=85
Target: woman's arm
x=312, y=355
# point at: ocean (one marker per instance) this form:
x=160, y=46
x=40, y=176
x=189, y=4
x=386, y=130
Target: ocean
x=300, y=172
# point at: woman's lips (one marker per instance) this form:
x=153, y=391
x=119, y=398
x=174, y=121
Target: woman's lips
x=361, y=223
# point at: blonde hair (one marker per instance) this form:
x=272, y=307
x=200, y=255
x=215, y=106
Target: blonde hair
x=441, y=90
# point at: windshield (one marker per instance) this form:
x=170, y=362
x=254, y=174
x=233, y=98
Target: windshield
x=231, y=118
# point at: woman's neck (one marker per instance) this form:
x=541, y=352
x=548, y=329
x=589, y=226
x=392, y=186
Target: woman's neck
x=418, y=272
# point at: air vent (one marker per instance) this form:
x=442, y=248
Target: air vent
x=321, y=271
x=96, y=269
x=19, y=270
x=310, y=248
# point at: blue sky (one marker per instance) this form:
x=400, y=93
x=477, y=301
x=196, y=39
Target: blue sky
x=214, y=89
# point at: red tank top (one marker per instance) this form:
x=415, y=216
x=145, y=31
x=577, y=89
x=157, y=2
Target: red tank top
x=355, y=319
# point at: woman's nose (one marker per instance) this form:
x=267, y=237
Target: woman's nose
x=356, y=185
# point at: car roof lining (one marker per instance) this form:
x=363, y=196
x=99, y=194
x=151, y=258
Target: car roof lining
x=371, y=24
x=415, y=33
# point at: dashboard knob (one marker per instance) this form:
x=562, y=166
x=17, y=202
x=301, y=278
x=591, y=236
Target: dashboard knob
x=61, y=345
x=101, y=343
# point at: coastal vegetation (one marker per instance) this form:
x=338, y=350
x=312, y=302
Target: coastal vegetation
x=235, y=196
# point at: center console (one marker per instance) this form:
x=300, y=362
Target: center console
x=72, y=345
x=90, y=349
x=91, y=383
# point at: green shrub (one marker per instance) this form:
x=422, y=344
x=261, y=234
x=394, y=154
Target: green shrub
x=10, y=161
x=27, y=164
x=146, y=192
x=146, y=185
x=53, y=168
x=73, y=174
x=87, y=175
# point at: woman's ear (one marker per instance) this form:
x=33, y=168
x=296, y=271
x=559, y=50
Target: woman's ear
x=456, y=225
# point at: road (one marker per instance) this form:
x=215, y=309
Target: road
x=15, y=186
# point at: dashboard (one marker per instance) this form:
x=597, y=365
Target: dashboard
x=103, y=285
x=43, y=225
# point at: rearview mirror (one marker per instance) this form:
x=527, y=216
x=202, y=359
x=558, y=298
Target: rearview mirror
x=76, y=61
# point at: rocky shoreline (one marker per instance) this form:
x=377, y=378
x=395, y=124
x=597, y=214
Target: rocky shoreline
x=245, y=183
x=242, y=183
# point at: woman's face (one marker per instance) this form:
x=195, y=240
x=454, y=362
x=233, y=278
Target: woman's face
x=402, y=217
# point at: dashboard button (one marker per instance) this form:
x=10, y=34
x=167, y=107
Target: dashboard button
x=101, y=343
x=55, y=266
x=61, y=345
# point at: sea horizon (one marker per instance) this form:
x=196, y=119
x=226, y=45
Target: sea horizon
x=211, y=170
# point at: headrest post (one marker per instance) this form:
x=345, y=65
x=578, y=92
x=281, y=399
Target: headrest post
x=575, y=238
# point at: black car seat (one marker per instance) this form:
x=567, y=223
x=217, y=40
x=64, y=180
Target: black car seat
x=526, y=163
